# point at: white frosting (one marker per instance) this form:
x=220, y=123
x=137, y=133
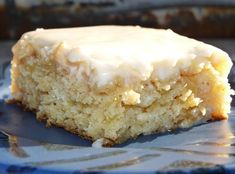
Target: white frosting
x=132, y=53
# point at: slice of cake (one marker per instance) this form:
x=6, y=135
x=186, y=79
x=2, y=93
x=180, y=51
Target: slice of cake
x=117, y=82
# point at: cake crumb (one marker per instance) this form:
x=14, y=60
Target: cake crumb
x=131, y=97
x=98, y=143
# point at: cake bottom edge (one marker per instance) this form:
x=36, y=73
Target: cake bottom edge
x=106, y=142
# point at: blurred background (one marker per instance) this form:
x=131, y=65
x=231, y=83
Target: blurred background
x=194, y=18
x=212, y=21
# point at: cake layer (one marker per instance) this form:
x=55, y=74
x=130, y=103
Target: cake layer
x=114, y=83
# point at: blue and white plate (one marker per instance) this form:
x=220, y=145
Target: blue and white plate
x=27, y=146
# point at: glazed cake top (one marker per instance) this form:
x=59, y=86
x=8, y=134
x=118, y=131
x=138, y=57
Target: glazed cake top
x=132, y=53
